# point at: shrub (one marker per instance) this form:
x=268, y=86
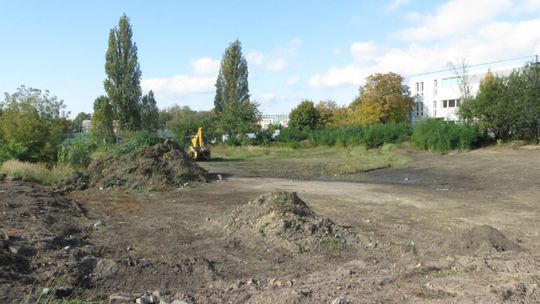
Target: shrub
x=379, y=134
x=291, y=135
x=77, y=153
x=437, y=135
x=39, y=173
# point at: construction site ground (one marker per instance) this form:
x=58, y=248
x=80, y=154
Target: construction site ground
x=419, y=236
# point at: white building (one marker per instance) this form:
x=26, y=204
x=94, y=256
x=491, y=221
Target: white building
x=437, y=94
x=277, y=120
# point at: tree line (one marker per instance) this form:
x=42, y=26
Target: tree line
x=33, y=123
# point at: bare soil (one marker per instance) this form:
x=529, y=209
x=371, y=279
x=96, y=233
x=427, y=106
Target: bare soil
x=447, y=228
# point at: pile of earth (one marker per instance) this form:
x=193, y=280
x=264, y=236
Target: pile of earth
x=44, y=239
x=483, y=240
x=284, y=220
x=160, y=167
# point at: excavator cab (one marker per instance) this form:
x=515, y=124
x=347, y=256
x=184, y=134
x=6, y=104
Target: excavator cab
x=198, y=150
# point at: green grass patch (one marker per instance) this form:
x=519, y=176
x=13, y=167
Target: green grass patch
x=310, y=162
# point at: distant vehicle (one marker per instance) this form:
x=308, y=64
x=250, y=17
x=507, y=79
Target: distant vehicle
x=198, y=150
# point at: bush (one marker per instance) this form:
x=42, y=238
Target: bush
x=380, y=134
x=39, y=173
x=438, y=135
x=133, y=141
x=76, y=153
x=291, y=135
x=373, y=136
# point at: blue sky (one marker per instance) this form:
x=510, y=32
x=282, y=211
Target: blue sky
x=296, y=50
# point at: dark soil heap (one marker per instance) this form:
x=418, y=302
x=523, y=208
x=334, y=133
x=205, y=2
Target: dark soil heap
x=284, y=220
x=482, y=240
x=163, y=166
x=43, y=237
x=485, y=239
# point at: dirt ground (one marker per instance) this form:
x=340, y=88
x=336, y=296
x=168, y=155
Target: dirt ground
x=419, y=236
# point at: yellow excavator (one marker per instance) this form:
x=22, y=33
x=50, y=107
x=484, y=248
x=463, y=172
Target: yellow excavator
x=198, y=150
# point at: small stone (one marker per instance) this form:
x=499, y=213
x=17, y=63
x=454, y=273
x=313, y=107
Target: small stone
x=119, y=299
x=341, y=300
x=67, y=248
x=129, y=248
x=13, y=250
x=280, y=283
x=174, y=201
x=219, y=177
x=98, y=224
x=179, y=302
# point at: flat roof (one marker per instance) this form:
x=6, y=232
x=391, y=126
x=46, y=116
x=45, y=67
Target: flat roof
x=476, y=68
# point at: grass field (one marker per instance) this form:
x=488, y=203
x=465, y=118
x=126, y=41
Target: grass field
x=314, y=162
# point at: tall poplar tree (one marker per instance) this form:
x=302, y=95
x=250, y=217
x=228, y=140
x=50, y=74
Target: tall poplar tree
x=123, y=76
x=237, y=114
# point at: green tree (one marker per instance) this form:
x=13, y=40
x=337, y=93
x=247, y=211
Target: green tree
x=123, y=76
x=326, y=109
x=507, y=106
x=239, y=118
x=102, y=121
x=77, y=122
x=305, y=116
x=237, y=114
x=383, y=99
x=32, y=125
x=150, y=112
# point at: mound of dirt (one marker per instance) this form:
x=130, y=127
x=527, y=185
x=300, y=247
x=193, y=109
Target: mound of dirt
x=482, y=240
x=163, y=166
x=284, y=220
x=43, y=236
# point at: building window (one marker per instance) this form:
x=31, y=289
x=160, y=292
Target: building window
x=451, y=103
x=419, y=109
x=434, y=108
x=458, y=102
x=435, y=87
x=445, y=103
x=450, y=82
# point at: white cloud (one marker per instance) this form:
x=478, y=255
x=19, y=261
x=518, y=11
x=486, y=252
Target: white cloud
x=202, y=81
x=363, y=51
x=456, y=17
x=206, y=66
x=293, y=80
x=296, y=42
x=179, y=85
x=255, y=58
x=445, y=40
x=396, y=4
x=266, y=97
x=276, y=64
x=336, y=77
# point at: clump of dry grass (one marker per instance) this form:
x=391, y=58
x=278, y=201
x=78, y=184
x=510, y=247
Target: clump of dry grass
x=39, y=173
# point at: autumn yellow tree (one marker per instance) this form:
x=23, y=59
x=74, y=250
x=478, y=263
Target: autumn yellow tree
x=384, y=99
